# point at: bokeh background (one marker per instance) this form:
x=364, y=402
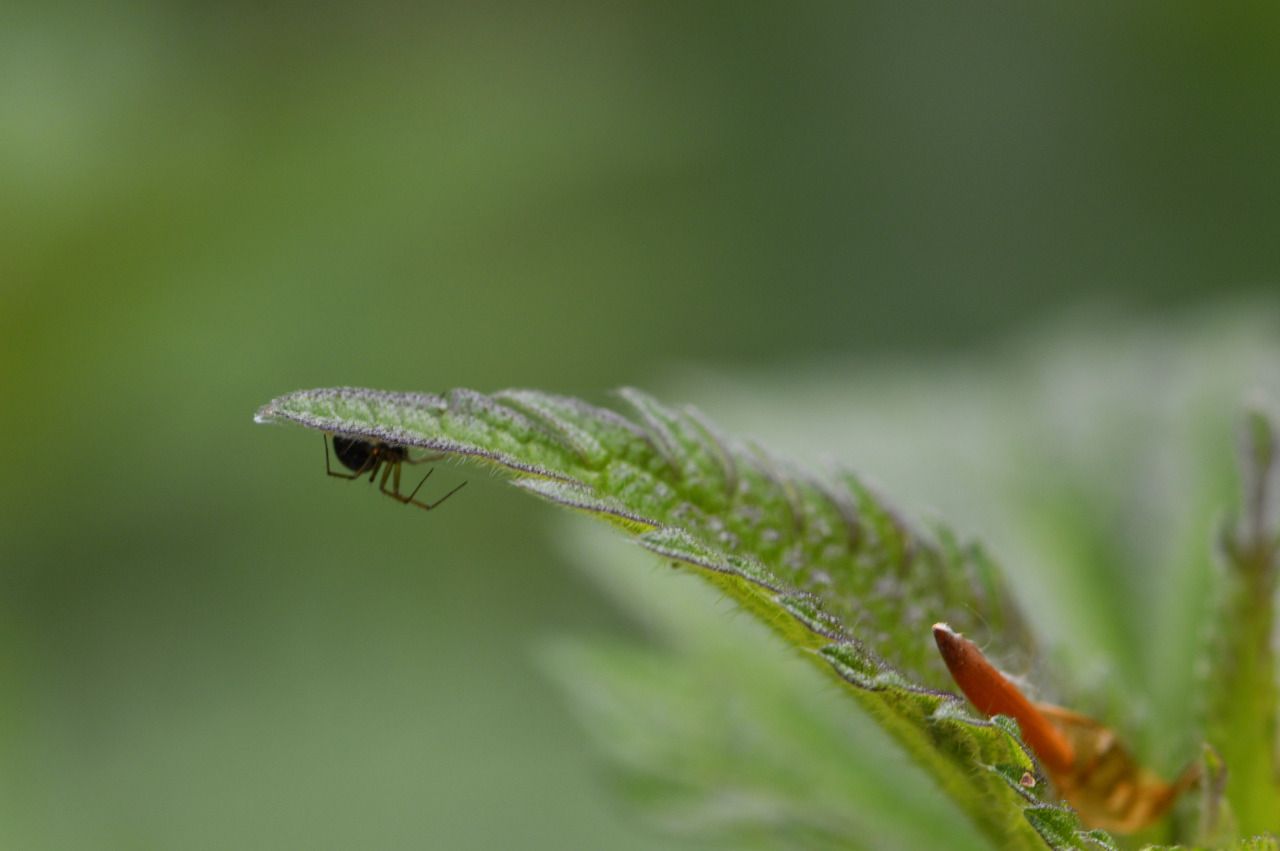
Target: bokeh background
x=205, y=643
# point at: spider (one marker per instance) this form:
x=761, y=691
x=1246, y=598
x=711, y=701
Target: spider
x=365, y=456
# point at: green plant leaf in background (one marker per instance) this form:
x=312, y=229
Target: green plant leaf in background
x=1242, y=714
x=815, y=559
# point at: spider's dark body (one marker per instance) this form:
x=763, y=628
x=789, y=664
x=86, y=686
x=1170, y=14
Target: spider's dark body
x=362, y=456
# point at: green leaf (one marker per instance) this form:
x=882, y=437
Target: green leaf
x=1243, y=714
x=715, y=732
x=821, y=560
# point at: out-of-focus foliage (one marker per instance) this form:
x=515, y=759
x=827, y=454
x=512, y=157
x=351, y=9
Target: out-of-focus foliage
x=715, y=729
x=203, y=642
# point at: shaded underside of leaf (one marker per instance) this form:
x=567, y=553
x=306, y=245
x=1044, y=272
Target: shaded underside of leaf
x=714, y=732
x=821, y=560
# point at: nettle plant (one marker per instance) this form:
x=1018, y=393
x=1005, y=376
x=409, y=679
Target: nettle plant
x=915, y=625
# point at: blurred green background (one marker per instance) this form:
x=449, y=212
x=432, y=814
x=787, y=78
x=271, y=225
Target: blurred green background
x=205, y=643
